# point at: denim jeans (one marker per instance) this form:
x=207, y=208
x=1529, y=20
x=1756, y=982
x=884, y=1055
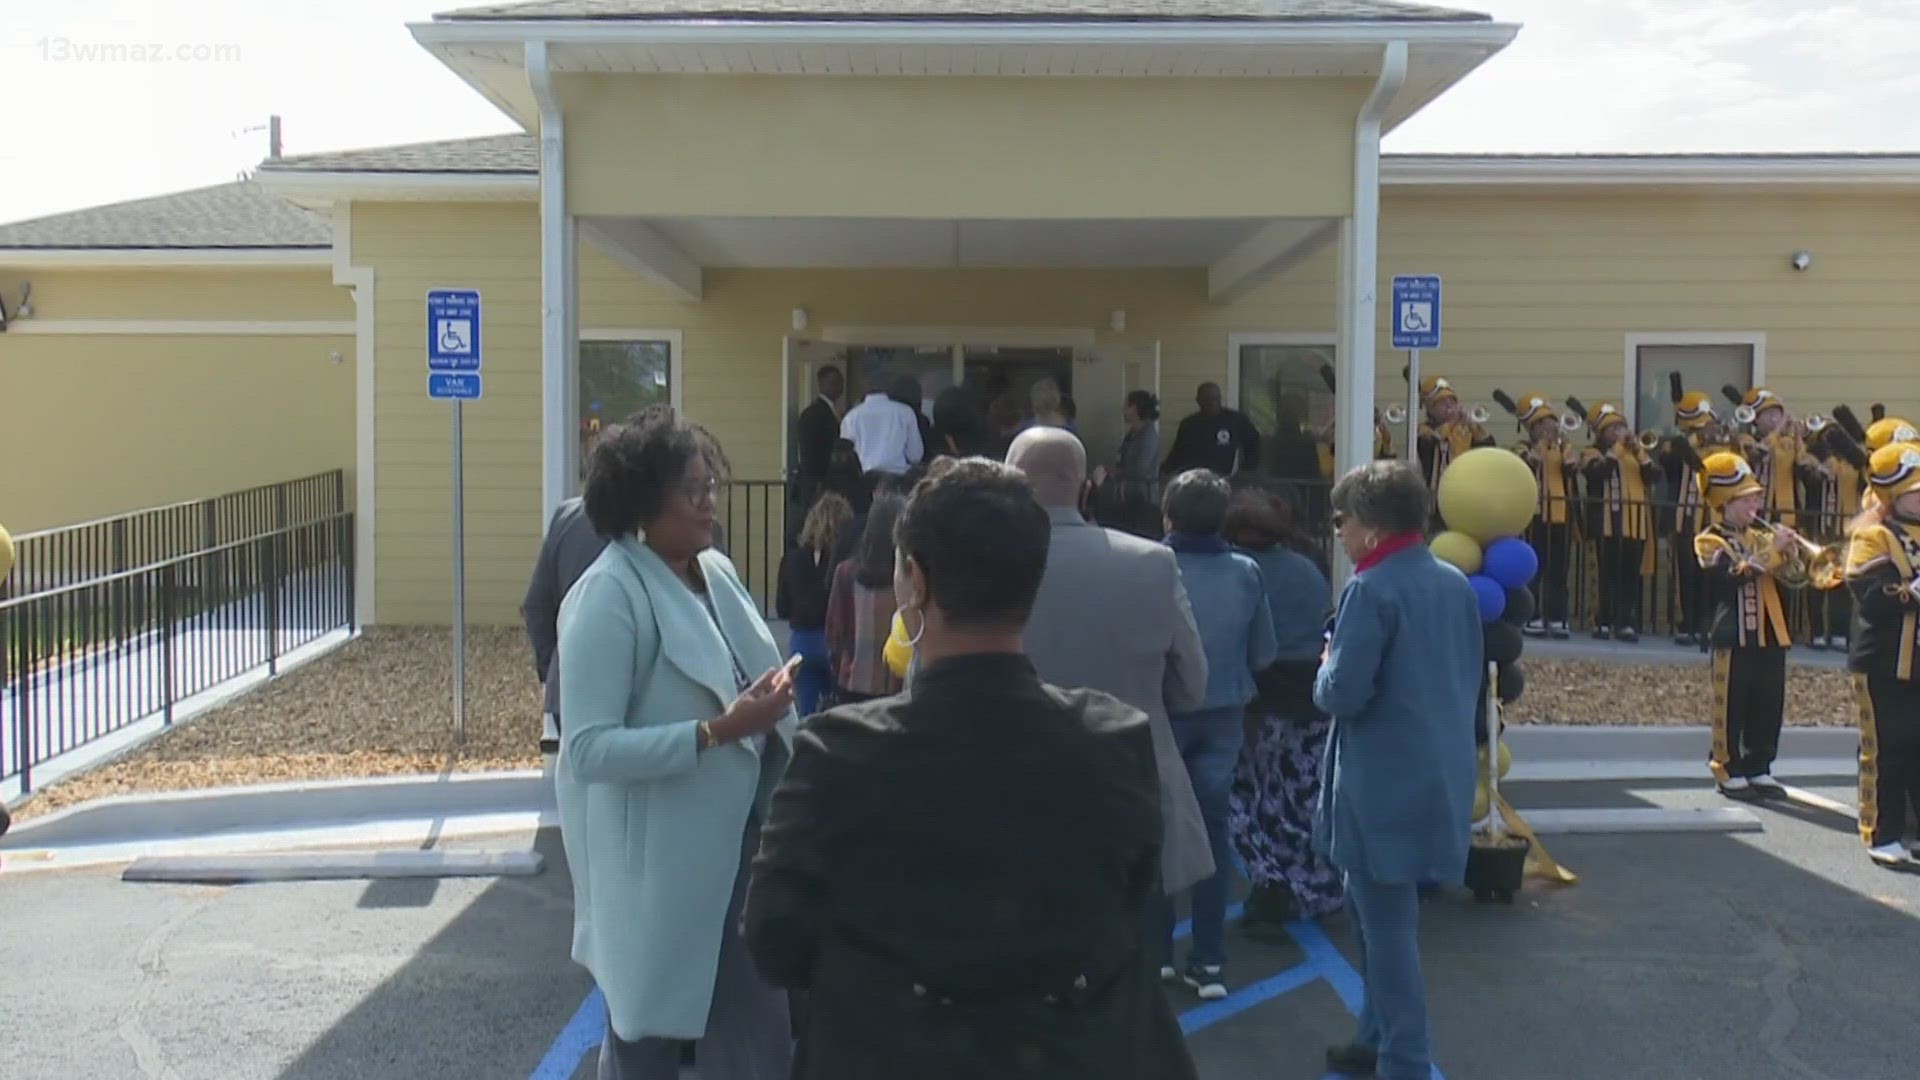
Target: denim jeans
x=815, y=676
x=1386, y=923
x=1210, y=742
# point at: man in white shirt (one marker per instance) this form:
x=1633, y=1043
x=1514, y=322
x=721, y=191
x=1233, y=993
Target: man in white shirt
x=885, y=433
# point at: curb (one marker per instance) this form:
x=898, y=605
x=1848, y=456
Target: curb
x=341, y=811
x=343, y=866
x=237, y=811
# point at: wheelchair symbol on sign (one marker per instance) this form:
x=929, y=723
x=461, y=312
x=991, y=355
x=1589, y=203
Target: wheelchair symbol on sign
x=1413, y=317
x=453, y=336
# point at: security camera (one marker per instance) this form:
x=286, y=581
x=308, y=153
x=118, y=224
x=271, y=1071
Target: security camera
x=1802, y=260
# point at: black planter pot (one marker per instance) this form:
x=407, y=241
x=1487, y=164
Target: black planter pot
x=1494, y=872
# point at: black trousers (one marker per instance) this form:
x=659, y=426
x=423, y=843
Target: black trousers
x=1691, y=581
x=1832, y=612
x=1889, y=755
x=1553, y=546
x=1749, y=703
x=1619, y=586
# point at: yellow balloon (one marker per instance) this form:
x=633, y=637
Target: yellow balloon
x=898, y=652
x=1480, y=801
x=1488, y=493
x=1459, y=549
x=6, y=554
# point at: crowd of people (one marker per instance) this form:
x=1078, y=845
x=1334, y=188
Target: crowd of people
x=1030, y=737
x=968, y=864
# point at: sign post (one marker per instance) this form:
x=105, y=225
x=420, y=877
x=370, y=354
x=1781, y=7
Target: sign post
x=1416, y=326
x=453, y=374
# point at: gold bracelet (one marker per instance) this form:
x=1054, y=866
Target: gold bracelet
x=703, y=736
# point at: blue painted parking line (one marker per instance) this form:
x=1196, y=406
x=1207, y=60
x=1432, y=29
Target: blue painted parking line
x=586, y=1030
x=1324, y=961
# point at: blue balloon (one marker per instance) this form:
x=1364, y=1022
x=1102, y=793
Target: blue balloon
x=1511, y=562
x=1493, y=598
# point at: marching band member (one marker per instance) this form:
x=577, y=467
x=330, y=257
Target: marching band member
x=1887, y=430
x=1555, y=464
x=1448, y=431
x=1882, y=558
x=1619, y=474
x=1778, y=450
x=1740, y=554
x=1701, y=435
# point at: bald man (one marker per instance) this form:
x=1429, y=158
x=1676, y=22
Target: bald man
x=1112, y=615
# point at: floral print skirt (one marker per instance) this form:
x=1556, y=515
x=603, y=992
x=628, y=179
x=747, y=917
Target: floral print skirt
x=1271, y=812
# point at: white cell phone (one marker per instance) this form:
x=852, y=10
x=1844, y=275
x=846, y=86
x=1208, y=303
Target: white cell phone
x=792, y=665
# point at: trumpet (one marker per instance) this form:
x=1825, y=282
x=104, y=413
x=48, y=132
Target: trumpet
x=1570, y=423
x=1816, y=423
x=1810, y=563
x=1743, y=414
x=1479, y=414
x=1394, y=414
x=1649, y=439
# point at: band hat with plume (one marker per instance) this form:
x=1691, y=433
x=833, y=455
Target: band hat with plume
x=1894, y=470
x=1760, y=399
x=1888, y=431
x=1695, y=410
x=1726, y=476
x=1534, y=407
x=1435, y=387
x=1604, y=415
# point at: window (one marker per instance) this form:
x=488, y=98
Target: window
x=1270, y=374
x=619, y=377
x=1705, y=366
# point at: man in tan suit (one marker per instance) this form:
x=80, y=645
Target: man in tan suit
x=1113, y=616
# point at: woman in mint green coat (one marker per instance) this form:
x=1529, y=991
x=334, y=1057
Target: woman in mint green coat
x=679, y=714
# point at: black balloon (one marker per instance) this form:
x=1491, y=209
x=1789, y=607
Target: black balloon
x=1519, y=607
x=1503, y=643
x=1511, y=684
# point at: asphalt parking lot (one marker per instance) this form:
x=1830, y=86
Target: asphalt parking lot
x=1780, y=954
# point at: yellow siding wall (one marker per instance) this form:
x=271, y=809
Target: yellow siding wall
x=1541, y=293
x=961, y=147
x=95, y=425
x=278, y=294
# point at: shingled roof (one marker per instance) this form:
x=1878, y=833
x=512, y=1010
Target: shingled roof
x=232, y=216
x=1003, y=11
x=500, y=154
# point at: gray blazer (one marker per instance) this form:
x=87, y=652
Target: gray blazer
x=570, y=547
x=1112, y=615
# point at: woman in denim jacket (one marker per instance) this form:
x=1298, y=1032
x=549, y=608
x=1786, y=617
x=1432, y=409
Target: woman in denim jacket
x=1229, y=597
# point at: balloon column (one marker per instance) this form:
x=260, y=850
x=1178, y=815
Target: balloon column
x=1487, y=499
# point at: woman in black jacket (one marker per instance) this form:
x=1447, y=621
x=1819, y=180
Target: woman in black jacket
x=958, y=875
x=806, y=573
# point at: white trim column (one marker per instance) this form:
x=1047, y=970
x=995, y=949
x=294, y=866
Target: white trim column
x=559, y=298
x=1360, y=278
x=365, y=401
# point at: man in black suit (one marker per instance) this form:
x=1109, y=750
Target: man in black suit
x=819, y=430
x=1216, y=438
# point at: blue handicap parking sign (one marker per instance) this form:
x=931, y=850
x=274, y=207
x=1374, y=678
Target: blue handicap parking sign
x=1416, y=311
x=453, y=330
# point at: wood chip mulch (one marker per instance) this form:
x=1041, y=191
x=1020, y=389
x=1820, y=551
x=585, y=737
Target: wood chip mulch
x=1665, y=695
x=381, y=705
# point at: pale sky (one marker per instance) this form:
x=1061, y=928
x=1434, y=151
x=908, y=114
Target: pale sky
x=81, y=128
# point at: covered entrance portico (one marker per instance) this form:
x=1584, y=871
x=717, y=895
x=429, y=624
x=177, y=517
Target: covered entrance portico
x=1117, y=166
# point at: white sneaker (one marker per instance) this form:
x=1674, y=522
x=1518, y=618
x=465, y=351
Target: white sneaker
x=1168, y=975
x=1894, y=854
x=1737, y=786
x=1207, y=981
x=1765, y=784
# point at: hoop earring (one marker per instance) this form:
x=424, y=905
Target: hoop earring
x=1373, y=541
x=913, y=640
